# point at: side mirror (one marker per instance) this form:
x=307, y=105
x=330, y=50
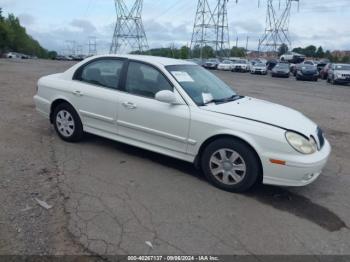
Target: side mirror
x=168, y=97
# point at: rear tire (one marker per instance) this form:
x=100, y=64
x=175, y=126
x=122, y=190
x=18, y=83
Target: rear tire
x=231, y=165
x=67, y=123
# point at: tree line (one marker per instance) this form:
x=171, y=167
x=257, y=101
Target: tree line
x=185, y=52
x=14, y=38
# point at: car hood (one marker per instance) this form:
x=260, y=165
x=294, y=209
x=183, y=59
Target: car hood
x=343, y=72
x=267, y=113
x=286, y=70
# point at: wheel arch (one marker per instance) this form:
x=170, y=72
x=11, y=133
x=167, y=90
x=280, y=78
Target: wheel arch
x=56, y=103
x=232, y=136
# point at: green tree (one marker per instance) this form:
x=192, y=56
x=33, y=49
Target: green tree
x=184, y=52
x=320, y=53
x=282, y=49
x=345, y=59
x=310, y=51
x=237, y=52
x=13, y=37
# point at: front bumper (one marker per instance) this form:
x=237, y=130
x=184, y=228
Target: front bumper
x=239, y=69
x=260, y=72
x=342, y=80
x=210, y=66
x=279, y=74
x=300, y=170
x=308, y=77
x=224, y=68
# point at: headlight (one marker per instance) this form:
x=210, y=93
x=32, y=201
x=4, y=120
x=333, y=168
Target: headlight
x=301, y=144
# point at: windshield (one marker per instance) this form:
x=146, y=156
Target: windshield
x=241, y=62
x=260, y=65
x=227, y=62
x=282, y=66
x=202, y=86
x=342, y=67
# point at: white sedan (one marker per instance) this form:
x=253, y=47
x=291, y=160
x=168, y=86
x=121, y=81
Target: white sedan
x=225, y=65
x=179, y=109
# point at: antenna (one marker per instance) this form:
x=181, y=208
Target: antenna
x=211, y=28
x=129, y=34
x=277, y=26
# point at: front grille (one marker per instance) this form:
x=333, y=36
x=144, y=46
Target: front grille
x=320, y=137
x=346, y=75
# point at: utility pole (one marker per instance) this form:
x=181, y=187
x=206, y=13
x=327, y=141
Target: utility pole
x=210, y=29
x=277, y=25
x=129, y=34
x=247, y=43
x=92, y=46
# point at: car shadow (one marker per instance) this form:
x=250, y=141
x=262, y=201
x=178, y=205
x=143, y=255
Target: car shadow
x=279, y=198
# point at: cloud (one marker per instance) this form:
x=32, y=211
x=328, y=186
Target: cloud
x=248, y=26
x=83, y=25
x=26, y=19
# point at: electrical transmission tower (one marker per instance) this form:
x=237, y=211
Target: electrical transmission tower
x=211, y=29
x=277, y=25
x=129, y=34
x=92, y=46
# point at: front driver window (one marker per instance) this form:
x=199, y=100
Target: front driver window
x=104, y=73
x=144, y=80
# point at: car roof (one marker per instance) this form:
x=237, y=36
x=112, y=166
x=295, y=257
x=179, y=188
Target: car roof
x=164, y=61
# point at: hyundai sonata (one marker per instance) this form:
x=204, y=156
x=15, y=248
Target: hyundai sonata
x=179, y=109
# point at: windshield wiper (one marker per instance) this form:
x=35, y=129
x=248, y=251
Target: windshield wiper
x=225, y=100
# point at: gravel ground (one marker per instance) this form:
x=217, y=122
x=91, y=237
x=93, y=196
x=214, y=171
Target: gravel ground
x=108, y=198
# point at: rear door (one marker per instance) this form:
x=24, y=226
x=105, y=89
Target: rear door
x=96, y=92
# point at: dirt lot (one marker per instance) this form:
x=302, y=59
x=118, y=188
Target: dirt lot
x=110, y=198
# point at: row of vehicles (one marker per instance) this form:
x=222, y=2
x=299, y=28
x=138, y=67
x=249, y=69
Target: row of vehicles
x=15, y=55
x=306, y=70
x=234, y=65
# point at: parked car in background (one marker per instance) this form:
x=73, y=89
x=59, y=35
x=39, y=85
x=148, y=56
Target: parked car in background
x=292, y=57
x=258, y=68
x=271, y=64
x=307, y=72
x=212, y=64
x=11, y=55
x=241, y=65
x=225, y=65
x=321, y=64
x=324, y=71
x=64, y=58
x=181, y=110
x=339, y=74
x=197, y=61
x=300, y=65
x=281, y=70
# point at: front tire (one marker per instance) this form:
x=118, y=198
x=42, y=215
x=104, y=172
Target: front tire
x=231, y=165
x=67, y=123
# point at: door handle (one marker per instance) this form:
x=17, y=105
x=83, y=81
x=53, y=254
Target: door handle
x=129, y=105
x=77, y=93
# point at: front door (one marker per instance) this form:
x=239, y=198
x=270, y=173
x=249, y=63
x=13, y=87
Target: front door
x=144, y=119
x=96, y=94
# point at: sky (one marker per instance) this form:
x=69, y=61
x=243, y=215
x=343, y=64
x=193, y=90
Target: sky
x=54, y=22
